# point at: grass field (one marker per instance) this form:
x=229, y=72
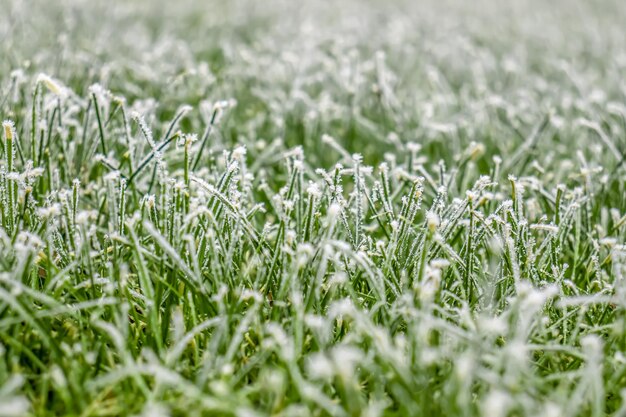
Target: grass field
x=313, y=208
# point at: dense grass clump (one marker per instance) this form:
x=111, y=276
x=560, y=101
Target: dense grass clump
x=353, y=208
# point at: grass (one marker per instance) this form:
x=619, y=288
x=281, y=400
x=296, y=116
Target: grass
x=350, y=209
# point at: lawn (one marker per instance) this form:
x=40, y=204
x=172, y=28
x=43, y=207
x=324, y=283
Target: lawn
x=313, y=208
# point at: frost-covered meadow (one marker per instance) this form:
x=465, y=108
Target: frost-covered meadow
x=313, y=208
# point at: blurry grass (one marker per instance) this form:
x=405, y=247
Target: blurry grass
x=366, y=209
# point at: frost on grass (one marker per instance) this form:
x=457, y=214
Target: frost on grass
x=312, y=208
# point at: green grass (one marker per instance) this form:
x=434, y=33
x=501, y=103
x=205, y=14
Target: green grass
x=308, y=208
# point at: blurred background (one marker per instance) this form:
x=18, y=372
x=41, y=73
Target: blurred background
x=371, y=73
